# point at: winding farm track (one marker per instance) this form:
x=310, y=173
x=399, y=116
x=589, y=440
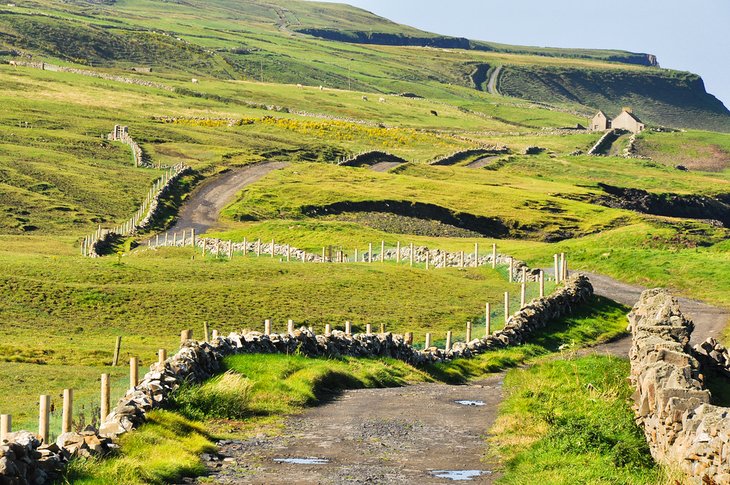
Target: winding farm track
x=709, y=320
x=202, y=209
x=483, y=161
x=493, y=79
x=385, y=166
x=386, y=436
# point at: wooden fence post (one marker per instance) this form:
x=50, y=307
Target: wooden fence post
x=382, y=251
x=206, y=332
x=542, y=284
x=370, y=252
x=523, y=294
x=290, y=327
x=557, y=268
x=348, y=328
x=511, y=269
x=6, y=426
x=267, y=327
x=488, y=319
x=162, y=356
x=105, y=397
x=368, y=329
x=397, y=253
x=185, y=335
x=117, y=348
x=328, y=329
x=357, y=256
x=461, y=259
x=506, y=307
x=67, y=414
x=468, y=332
x=133, y=372
x=427, y=345
x=565, y=267
x=476, y=255
x=494, y=256
x=411, y=254
x=44, y=412
x=245, y=246
x=408, y=337
x=448, y=341
x=382, y=328
x=272, y=248
x=193, y=241
x=428, y=258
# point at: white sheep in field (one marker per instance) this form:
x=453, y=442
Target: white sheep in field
x=299, y=86
x=364, y=98
x=321, y=88
x=194, y=81
x=381, y=100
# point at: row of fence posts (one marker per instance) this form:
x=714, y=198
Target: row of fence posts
x=560, y=261
x=67, y=413
x=128, y=227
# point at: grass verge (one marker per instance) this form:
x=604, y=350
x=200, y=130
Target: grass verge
x=569, y=421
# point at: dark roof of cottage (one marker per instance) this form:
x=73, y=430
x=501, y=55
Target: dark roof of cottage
x=600, y=112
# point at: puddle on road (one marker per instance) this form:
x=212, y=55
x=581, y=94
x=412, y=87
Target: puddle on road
x=470, y=403
x=459, y=475
x=302, y=461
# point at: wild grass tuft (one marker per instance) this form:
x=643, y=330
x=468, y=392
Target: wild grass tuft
x=224, y=397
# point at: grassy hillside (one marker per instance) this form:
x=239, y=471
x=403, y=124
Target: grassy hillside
x=242, y=39
x=658, y=97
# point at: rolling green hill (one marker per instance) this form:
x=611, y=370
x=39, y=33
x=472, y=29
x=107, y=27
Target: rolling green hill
x=311, y=43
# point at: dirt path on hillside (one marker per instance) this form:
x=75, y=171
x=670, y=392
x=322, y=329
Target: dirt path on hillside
x=492, y=84
x=385, y=166
x=483, y=162
x=202, y=209
x=709, y=320
x=386, y=436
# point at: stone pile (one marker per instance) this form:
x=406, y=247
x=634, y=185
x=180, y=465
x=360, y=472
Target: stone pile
x=713, y=356
x=683, y=429
x=24, y=459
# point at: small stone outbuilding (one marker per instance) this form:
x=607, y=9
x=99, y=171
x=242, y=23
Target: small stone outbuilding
x=600, y=122
x=628, y=121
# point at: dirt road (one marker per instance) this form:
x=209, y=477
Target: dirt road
x=406, y=435
x=709, y=320
x=385, y=166
x=202, y=209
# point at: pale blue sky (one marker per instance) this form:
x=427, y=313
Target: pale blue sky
x=689, y=35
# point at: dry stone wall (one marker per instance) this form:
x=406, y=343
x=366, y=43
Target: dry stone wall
x=93, y=245
x=197, y=361
x=683, y=429
x=370, y=158
x=25, y=460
